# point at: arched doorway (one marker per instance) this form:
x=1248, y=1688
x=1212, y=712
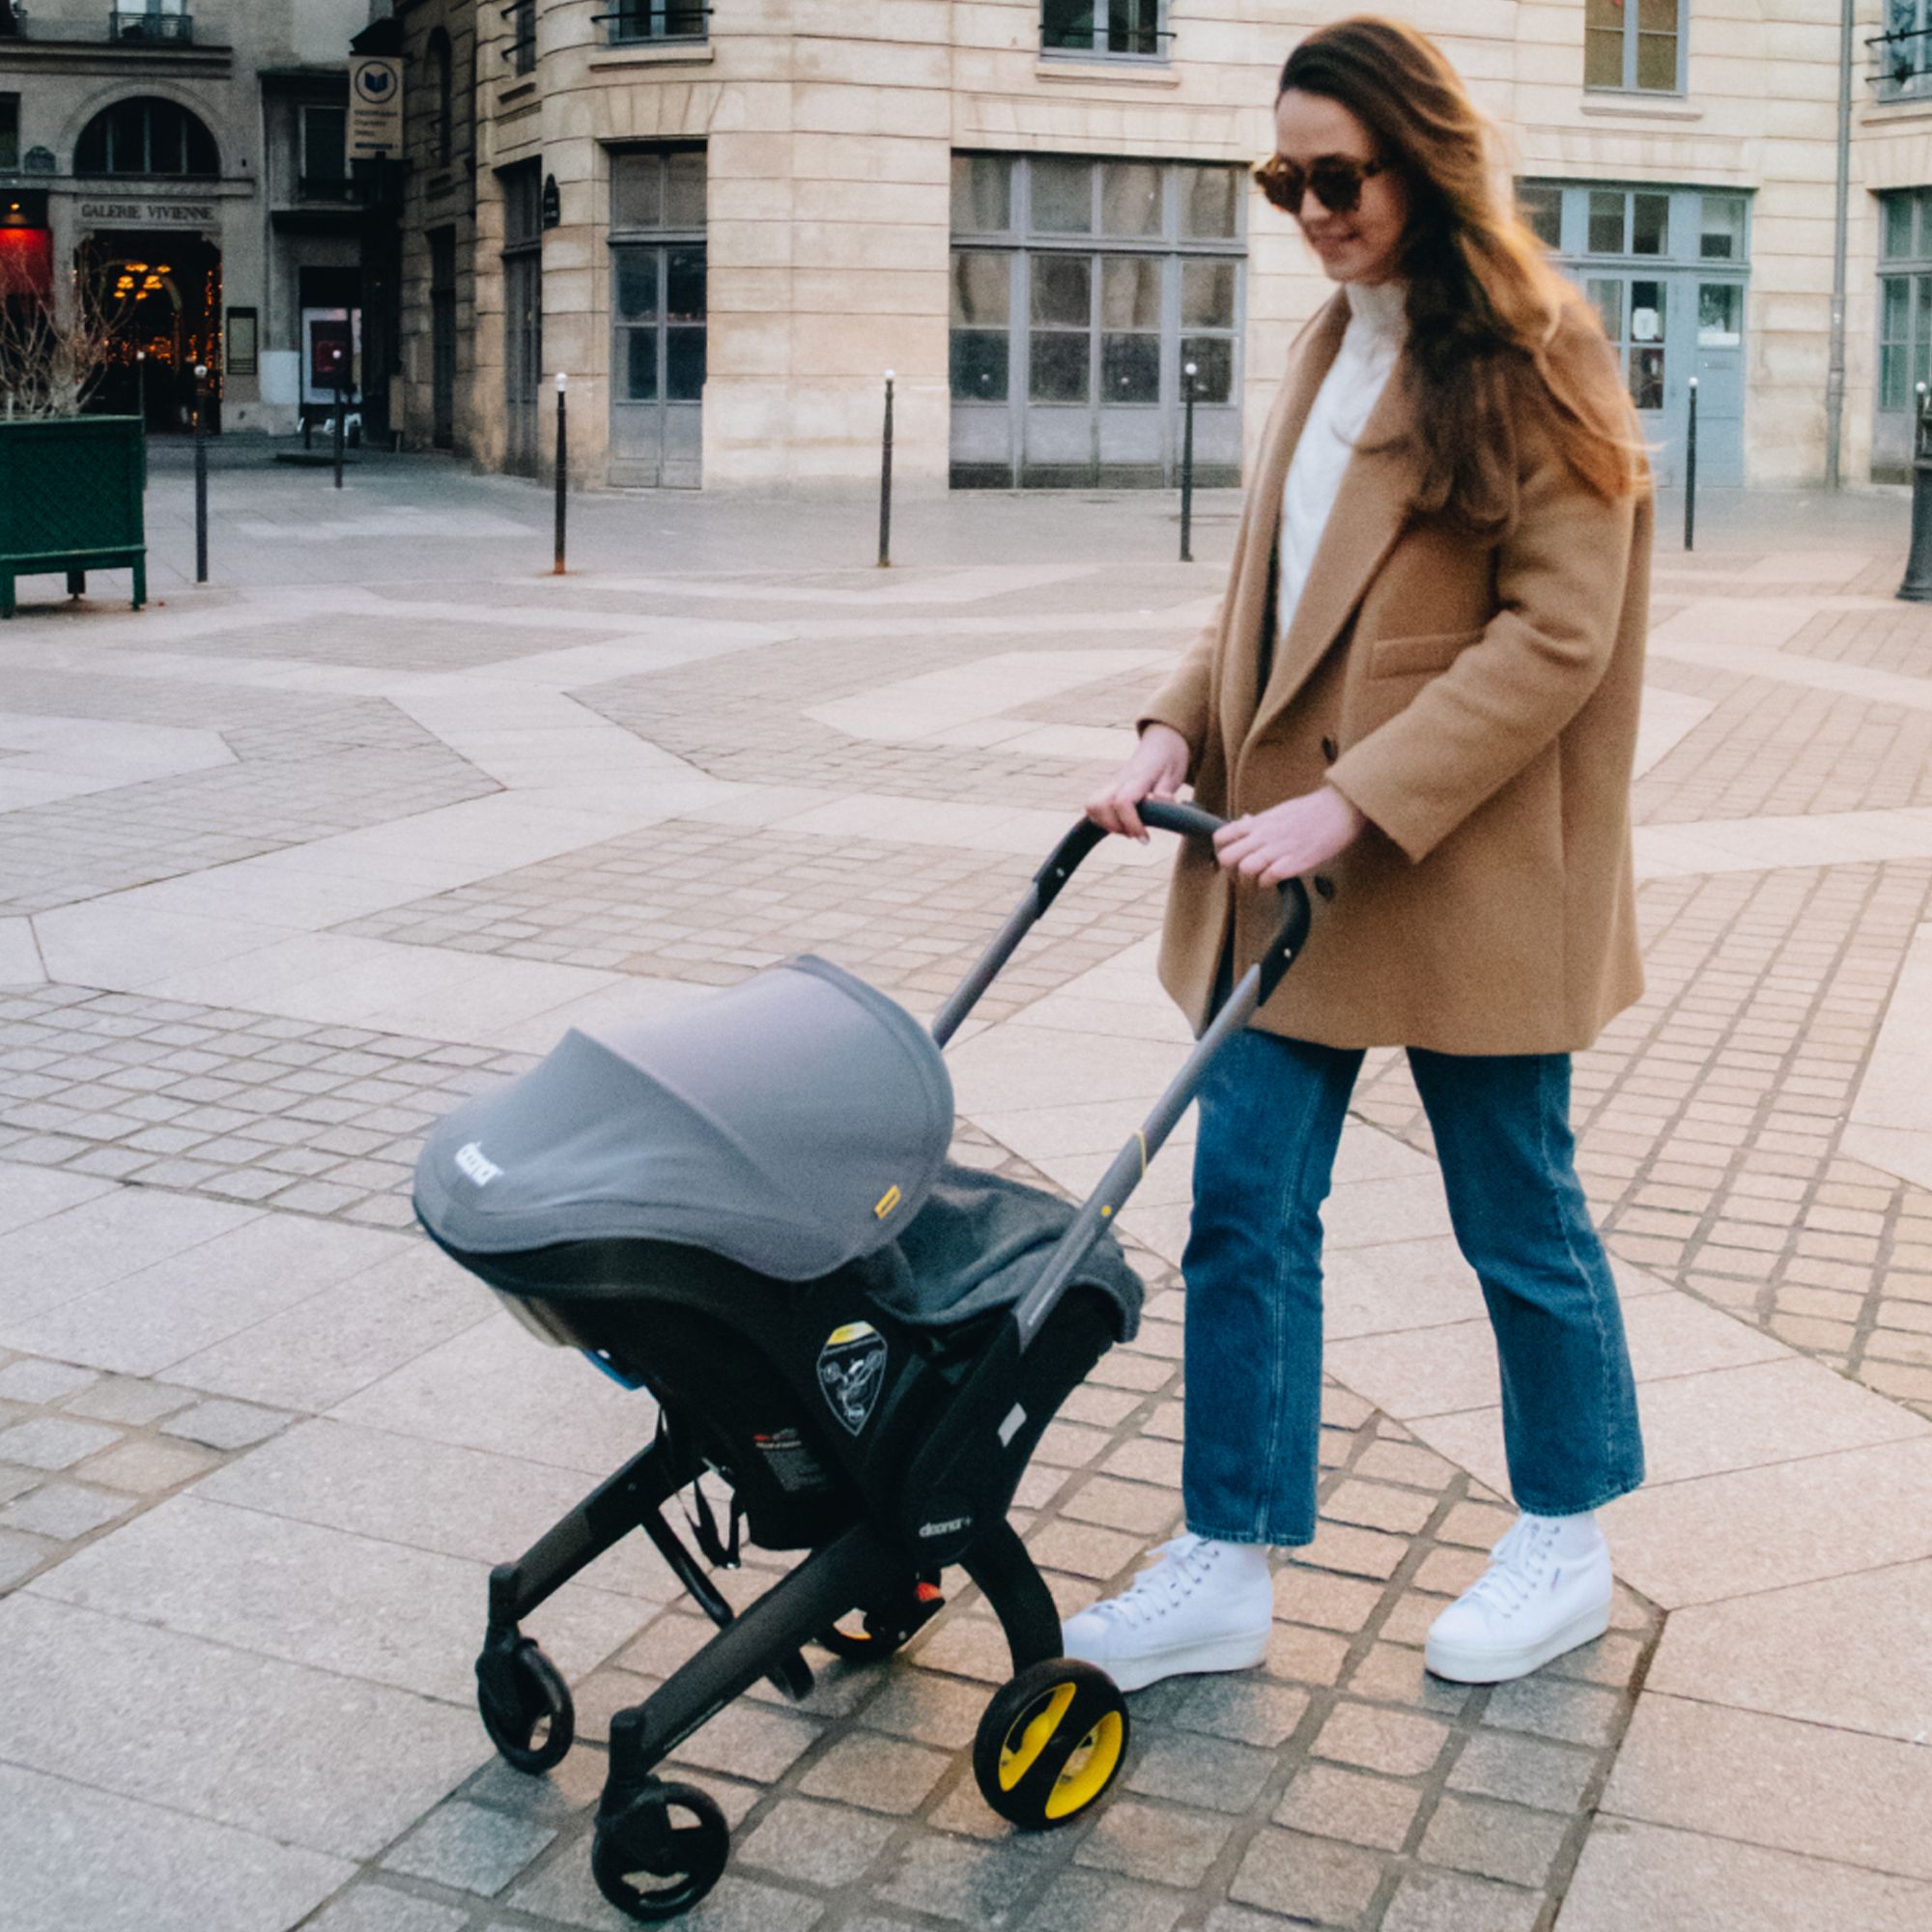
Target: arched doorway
x=159, y=296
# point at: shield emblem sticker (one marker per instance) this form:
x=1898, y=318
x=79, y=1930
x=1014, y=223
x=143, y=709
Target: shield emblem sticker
x=851, y=1372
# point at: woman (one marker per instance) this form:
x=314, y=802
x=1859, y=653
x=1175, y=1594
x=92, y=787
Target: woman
x=1421, y=689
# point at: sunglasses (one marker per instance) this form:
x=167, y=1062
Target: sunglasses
x=1335, y=180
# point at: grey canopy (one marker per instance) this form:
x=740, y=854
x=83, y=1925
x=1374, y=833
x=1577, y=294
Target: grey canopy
x=791, y=1123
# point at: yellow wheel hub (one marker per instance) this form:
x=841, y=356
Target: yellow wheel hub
x=1088, y=1768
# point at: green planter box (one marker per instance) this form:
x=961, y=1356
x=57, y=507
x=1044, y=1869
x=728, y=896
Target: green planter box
x=70, y=499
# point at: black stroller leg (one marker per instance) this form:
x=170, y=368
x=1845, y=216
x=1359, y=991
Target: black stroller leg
x=1000, y=1564
x=525, y=1703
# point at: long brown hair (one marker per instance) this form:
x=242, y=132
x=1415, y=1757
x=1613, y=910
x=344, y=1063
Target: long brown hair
x=1483, y=303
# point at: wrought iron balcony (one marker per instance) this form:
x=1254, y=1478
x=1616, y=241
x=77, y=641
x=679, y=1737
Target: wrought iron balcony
x=132, y=24
x=1103, y=30
x=634, y=23
x=523, y=47
x=1901, y=65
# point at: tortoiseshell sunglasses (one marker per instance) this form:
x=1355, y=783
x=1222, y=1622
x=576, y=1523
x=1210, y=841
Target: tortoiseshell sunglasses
x=1335, y=180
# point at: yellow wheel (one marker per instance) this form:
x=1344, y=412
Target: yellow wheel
x=1050, y=1744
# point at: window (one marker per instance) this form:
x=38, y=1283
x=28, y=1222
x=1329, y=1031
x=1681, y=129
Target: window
x=523, y=36
x=629, y=21
x=325, y=152
x=1905, y=297
x=1901, y=57
x=146, y=135
x=1634, y=45
x=151, y=20
x=658, y=275
x=1541, y=207
x=443, y=74
x=242, y=341
x=10, y=131
x=1109, y=29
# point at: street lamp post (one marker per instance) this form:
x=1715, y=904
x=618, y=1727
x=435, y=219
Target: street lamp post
x=201, y=472
x=562, y=471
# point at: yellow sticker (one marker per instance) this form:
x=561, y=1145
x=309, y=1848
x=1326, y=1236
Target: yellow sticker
x=853, y=1331
x=887, y=1201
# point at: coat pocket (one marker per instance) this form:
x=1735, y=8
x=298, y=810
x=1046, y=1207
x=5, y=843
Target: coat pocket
x=1406, y=657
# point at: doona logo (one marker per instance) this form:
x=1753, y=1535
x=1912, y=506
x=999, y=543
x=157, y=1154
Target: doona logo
x=472, y=1161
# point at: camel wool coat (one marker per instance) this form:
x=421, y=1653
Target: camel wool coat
x=1476, y=697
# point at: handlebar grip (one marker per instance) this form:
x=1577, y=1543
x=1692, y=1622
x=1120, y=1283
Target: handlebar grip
x=1191, y=821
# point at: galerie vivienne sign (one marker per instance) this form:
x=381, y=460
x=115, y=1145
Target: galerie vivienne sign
x=167, y=213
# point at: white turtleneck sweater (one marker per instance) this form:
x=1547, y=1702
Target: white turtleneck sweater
x=1349, y=391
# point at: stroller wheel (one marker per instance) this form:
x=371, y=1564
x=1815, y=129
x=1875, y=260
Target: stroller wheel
x=525, y=1705
x=1050, y=1744
x=643, y=1842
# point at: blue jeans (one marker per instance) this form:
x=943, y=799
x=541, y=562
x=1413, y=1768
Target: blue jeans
x=1272, y=1114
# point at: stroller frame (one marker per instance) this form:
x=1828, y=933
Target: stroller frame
x=525, y=1705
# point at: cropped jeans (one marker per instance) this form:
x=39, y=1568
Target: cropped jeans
x=1272, y=1114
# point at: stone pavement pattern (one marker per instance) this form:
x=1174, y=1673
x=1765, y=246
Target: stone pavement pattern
x=289, y=867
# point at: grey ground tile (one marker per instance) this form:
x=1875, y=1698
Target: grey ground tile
x=148, y=1467
x=1079, y=1901
x=562, y=1888
x=954, y=1878
x=1307, y=1878
x=226, y=1425
x=1337, y=1803
x=404, y=1617
x=1245, y=1708
x=470, y=1847
x=54, y=1441
x=828, y=1845
x=881, y=1773
x=15, y=1481
x=381, y=1908
x=21, y=1554
x=33, y=1380
x=64, y=1510
x=461, y=1502
x=1396, y=1742
x=1522, y=1771
x=1501, y=1841
x=1443, y=1902
x=1190, y=1769
x=1161, y=1842
x=302, y=1757
x=71, y=1857
x=131, y=1400
x=750, y=1740
x=929, y=1707
x=553, y=1798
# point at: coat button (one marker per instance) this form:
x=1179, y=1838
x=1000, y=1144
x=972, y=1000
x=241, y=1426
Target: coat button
x=1326, y=887
x=1330, y=750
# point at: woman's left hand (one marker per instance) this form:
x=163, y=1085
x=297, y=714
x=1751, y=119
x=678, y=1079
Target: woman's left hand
x=1290, y=839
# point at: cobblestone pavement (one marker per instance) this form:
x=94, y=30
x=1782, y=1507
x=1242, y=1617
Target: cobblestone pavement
x=289, y=865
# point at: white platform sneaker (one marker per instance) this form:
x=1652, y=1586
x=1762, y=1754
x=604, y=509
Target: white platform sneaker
x=1547, y=1591
x=1199, y=1606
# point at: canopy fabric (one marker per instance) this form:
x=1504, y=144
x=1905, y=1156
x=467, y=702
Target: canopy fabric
x=792, y=1123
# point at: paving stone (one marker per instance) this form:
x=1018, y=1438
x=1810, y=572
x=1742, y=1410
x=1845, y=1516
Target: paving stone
x=1394, y=1674
x=952, y=1879
x=20, y=1555
x=929, y=1707
x=880, y=1773
x=1440, y=1902
x=226, y=1425
x=1501, y=1841
x=1307, y=1878
x=381, y=1908
x=825, y=1845
x=750, y=1740
x=1159, y=1842
x=1337, y=1803
x=1194, y=1770
x=1088, y=1902
x=470, y=1847
x=1522, y=1771
x=64, y=1510
x=1396, y=1742
x=148, y=1467
x=128, y=1400
x=54, y=1441
x=30, y=1380
x=1580, y=1713
x=1244, y=1708
x=562, y=1888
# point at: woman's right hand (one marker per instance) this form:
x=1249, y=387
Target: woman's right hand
x=1157, y=769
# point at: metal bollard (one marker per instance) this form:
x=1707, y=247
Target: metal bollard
x=1187, y=470
x=1691, y=474
x=885, y=483
x=341, y=411
x=1917, y=585
x=201, y=472
x=562, y=472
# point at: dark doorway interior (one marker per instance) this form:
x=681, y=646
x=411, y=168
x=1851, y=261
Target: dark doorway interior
x=161, y=298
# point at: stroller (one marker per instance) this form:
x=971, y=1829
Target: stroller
x=746, y=1210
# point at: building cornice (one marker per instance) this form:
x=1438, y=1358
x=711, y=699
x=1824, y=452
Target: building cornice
x=132, y=58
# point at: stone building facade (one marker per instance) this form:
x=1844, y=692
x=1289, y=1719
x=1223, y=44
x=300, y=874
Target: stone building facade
x=191, y=153
x=726, y=219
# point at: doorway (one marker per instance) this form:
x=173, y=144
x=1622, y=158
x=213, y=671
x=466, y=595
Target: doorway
x=523, y=315
x=442, y=337
x=658, y=317
x=160, y=298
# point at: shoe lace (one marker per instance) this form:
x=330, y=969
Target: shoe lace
x=1515, y=1566
x=1169, y=1579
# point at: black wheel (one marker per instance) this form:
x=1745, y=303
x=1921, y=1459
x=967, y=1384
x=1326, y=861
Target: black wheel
x=870, y=1636
x=525, y=1705
x=652, y=1866
x=1052, y=1741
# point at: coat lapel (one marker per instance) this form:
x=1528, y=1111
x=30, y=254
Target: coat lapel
x=1254, y=607
x=1371, y=507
